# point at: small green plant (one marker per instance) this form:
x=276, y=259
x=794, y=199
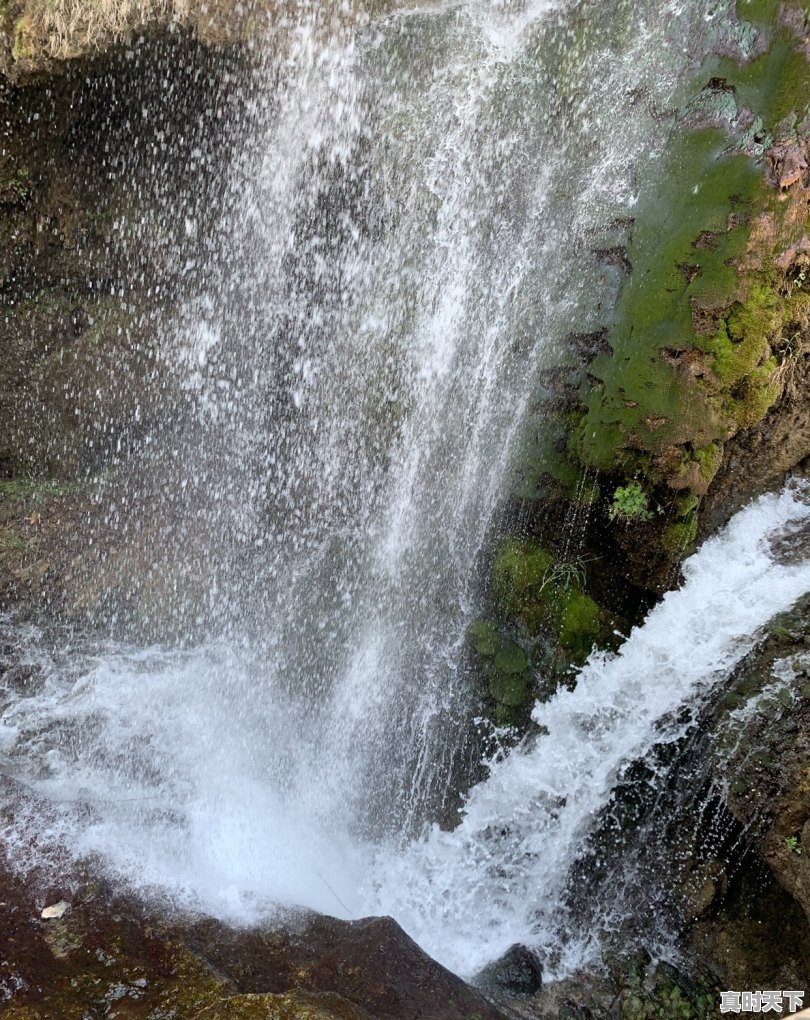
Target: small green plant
x=565, y=574
x=630, y=503
x=798, y=280
x=787, y=361
x=20, y=184
x=792, y=843
x=14, y=546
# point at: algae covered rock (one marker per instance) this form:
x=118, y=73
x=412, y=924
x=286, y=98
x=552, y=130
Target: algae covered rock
x=545, y=594
x=710, y=312
x=110, y=955
x=544, y=624
x=696, y=395
x=505, y=671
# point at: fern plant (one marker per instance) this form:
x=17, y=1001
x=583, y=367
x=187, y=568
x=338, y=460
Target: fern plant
x=630, y=503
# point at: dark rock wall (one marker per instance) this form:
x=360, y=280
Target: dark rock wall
x=94, y=262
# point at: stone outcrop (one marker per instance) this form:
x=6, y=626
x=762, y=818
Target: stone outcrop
x=108, y=955
x=760, y=739
x=705, y=363
x=695, y=397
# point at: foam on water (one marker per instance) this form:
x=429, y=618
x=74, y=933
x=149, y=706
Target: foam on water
x=146, y=764
x=498, y=878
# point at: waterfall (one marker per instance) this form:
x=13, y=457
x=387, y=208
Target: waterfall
x=402, y=246
x=507, y=862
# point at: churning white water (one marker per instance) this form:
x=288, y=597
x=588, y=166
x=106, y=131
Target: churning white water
x=412, y=205
x=498, y=878
x=144, y=763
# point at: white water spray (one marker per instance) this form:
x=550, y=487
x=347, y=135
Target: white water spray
x=498, y=878
x=400, y=254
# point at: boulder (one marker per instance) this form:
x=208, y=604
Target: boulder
x=518, y=972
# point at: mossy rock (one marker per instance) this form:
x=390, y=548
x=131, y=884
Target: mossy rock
x=664, y=993
x=581, y=625
x=484, y=637
x=510, y=659
x=680, y=536
x=544, y=597
x=505, y=672
x=519, y=575
x=511, y=690
x=523, y=584
x=701, y=320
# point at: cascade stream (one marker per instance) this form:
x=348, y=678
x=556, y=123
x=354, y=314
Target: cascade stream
x=403, y=249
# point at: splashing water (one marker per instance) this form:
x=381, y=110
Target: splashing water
x=499, y=877
x=399, y=254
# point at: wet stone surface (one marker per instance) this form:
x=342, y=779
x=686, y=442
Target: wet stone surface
x=72, y=949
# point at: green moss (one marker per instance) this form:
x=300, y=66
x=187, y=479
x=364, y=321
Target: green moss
x=644, y=405
x=685, y=504
x=695, y=472
x=741, y=342
x=581, y=625
x=749, y=403
x=505, y=672
x=545, y=596
x=510, y=659
x=14, y=546
x=708, y=460
x=511, y=690
x=680, y=536
x=543, y=461
x=776, y=84
x=484, y=637
x=33, y=490
x=521, y=574
x=762, y=11
x=20, y=48
x=698, y=340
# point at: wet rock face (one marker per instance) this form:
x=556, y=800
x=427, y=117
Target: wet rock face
x=72, y=949
x=94, y=264
x=518, y=971
x=370, y=962
x=90, y=259
x=748, y=906
x=757, y=459
x=698, y=395
x=764, y=742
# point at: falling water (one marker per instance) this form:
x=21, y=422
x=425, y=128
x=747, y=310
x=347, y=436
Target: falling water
x=507, y=863
x=403, y=243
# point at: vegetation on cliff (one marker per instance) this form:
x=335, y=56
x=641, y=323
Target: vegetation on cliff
x=41, y=36
x=715, y=315
x=708, y=343
x=710, y=333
